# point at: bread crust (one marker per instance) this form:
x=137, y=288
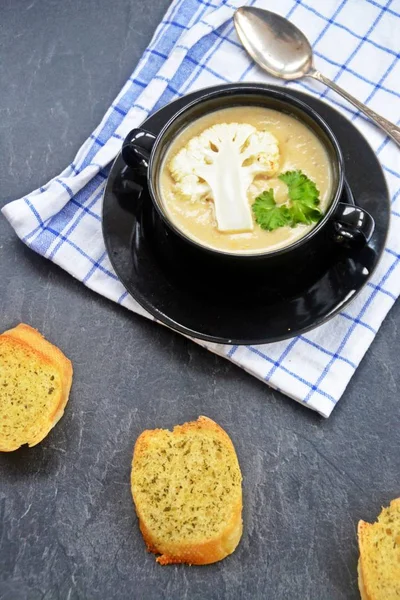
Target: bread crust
x=361, y=586
x=192, y=553
x=32, y=340
x=362, y=526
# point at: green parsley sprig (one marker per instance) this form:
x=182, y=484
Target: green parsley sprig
x=302, y=208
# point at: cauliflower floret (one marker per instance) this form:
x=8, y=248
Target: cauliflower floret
x=191, y=188
x=220, y=164
x=188, y=184
x=263, y=152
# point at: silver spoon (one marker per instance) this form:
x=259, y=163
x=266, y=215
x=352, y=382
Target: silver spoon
x=281, y=49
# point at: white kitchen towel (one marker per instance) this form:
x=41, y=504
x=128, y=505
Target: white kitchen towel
x=355, y=44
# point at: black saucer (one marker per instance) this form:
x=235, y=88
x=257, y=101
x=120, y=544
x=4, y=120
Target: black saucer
x=263, y=312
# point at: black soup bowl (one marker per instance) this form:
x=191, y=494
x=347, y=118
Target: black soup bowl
x=344, y=227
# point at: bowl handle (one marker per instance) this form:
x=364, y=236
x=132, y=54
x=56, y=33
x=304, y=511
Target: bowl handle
x=352, y=226
x=136, y=149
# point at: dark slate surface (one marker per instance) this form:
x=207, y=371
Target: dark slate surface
x=67, y=526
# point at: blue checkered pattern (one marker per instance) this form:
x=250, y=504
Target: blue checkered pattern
x=355, y=44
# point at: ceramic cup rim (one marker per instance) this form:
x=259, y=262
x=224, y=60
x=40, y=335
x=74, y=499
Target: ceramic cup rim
x=241, y=90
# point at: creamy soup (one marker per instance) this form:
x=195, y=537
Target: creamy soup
x=299, y=149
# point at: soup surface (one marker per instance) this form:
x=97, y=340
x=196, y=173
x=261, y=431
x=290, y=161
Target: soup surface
x=299, y=149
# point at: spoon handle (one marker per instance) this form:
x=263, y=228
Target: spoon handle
x=389, y=128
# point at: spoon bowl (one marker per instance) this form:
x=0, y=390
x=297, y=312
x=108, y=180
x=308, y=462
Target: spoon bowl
x=274, y=43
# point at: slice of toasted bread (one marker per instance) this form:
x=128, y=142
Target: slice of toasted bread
x=35, y=381
x=187, y=489
x=379, y=563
